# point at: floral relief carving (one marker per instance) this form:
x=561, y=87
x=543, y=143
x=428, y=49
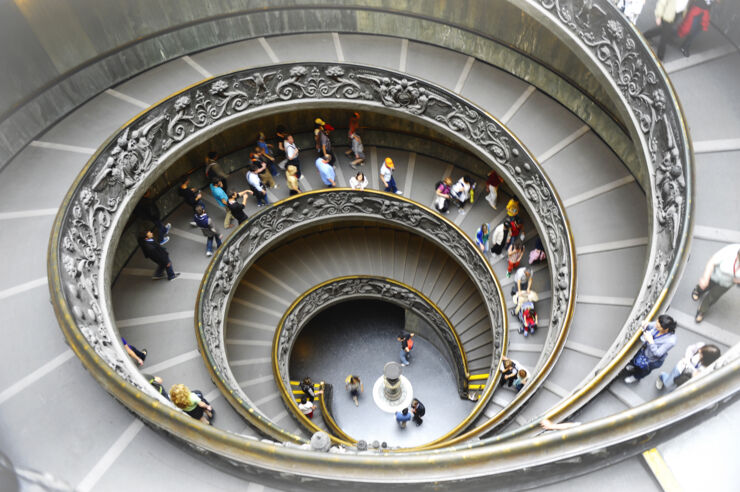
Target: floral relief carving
x=115, y=174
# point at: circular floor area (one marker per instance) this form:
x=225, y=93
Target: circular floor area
x=358, y=338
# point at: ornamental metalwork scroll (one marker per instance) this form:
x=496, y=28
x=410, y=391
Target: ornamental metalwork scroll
x=365, y=287
x=313, y=209
x=627, y=62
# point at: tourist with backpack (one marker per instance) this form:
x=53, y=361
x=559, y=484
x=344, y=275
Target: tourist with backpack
x=442, y=195
x=206, y=227
x=407, y=344
x=658, y=338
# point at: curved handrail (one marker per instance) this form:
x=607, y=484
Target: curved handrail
x=325, y=398
x=346, y=288
x=671, y=181
x=313, y=209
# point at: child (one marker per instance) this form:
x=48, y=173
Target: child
x=528, y=317
x=537, y=255
x=206, y=227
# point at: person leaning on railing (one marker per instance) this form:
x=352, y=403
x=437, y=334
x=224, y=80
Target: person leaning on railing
x=659, y=337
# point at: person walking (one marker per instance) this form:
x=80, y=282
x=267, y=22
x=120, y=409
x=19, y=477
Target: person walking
x=481, y=238
x=492, y=184
x=291, y=180
x=696, y=359
x=355, y=387
x=442, y=195
x=155, y=252
x=326, y=171
x=258, y=190
x=419, y=410
x=266, y=154
x=291, y=153
x=515, y=254
x=192, y=402
x=498, y=239
x=356, y=149
x=386, y=176
x=407, y=344
x=324, y=142
x=665, y=16
x=147, y=210
x=358, y=181
x=509, y=370
x=260, y=167
x=219, y=193
x=214, y=171
x=403, y=417
x=460, y=191
x=697, y=19
x=236, y=207
x=191, y=196
x=721, y=272
x=306, y=407
x=138, y=355
x=206, y=227
x=308, y=389
x=659, y=337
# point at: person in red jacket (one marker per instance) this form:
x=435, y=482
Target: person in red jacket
x=696, y=18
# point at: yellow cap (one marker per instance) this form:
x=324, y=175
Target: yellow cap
x=389, y=162
x=319, y=121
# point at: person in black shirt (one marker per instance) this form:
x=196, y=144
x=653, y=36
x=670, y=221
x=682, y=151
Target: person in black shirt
x=158, y=255
x=418, y=409
x=237, y=209
x=191, y=196
x=147, y=210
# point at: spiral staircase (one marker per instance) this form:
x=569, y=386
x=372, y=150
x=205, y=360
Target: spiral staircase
x=54, y=419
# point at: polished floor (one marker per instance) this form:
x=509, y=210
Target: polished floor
x=359, y=338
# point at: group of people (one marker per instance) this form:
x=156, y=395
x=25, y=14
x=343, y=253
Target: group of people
x=682, y=19
x=415, y=412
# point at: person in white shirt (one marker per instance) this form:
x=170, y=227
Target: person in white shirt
x=721, y=273
x=460, y=191
x=696, y=359
x=386, y=176
x=291, y=152
x=358, y=181
x=306, y=407
x=258, y=189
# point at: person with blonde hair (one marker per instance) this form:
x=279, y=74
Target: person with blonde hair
x=291, y=178
x=191, y=402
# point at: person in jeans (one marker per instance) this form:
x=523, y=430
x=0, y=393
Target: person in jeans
x=255, y=183
x=659, y=337
x=721, y=273
x=206, y=227
x=665, y=16
x=406, y=345
x=236, y=207
x=192, y=402
x=192, y=196
x=147, y=210
x=155, y=252
x=696, y=359
x=222, y=199
x=386, y=176
x=326, y=171
x=419, y=410
x=138, y=355
x=214, y=171
x=291, y=153
x=355, y=387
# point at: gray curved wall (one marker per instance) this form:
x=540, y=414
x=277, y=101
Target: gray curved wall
x=59, y=54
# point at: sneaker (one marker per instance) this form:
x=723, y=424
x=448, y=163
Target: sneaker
x=630, y=380
x=357, y=403
x=154, y=277
x=526, y=333
x=508, y=274
x=399, y=192
x=164, y=240
x=176, y=275
x=461, y=211
x=167, y=228
x=404, y=363
x=193, y=224
x=659, y=384
x=209, y=253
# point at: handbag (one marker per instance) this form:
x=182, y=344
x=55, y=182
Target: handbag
x=720, y=278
